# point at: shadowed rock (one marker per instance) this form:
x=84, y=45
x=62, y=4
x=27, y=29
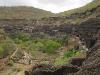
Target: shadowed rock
x=45, y=69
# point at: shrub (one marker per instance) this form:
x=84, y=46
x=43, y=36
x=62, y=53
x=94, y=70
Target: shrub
x=70, y=53
x=39, y=45
x=6, y=47
x=67, y=55
x=51, y=46
x=44, y=45
x=60, y=61
x=21, y=37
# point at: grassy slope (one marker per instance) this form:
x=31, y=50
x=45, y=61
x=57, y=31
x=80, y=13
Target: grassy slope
x=21, y=12
x=76, y=16
x=88, y=7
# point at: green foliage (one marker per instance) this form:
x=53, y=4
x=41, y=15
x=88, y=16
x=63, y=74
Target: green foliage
x=6, y=44
x=45, y=45
x=60, y=61
x=21, y=37
x=67, y=55
x=39, y=45
x=6, y=47
x=51, y=46
x=70, y=53
x=48, y=46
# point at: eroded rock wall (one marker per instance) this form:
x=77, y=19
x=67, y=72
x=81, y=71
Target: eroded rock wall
x=88, y=31
x=37, y=29
x=90, y=34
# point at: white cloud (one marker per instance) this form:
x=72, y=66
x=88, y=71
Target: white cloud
x=49, y=5
x=55, y=2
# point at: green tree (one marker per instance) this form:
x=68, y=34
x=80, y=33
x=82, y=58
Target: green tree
x=51, y=46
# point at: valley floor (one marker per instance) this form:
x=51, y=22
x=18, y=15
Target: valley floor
x=44, y=58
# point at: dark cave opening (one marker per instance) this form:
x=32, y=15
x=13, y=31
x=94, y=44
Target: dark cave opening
x=92, y=43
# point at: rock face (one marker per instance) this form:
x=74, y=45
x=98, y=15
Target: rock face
x=21, y=57
x=37, y=29
x=88, y=31
x=44, y=69
x=91, y=65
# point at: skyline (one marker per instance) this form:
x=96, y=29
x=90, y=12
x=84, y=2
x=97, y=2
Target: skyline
x=54, y=6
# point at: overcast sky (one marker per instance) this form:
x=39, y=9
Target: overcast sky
x=54, y=6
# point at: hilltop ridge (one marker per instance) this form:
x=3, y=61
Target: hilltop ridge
x=23, y=12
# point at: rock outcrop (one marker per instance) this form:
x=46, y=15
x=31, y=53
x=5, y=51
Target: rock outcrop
x=91, y=65
x=46, y=69
x=37, y=29
x=88, y=31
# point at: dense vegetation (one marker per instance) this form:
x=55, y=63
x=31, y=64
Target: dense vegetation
x=25, y=42
x=6, y=45
x=45, y=45
x=67, y=56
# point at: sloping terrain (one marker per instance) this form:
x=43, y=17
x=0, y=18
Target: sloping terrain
x=84, y=10
x=23, y=12
x=83, y=13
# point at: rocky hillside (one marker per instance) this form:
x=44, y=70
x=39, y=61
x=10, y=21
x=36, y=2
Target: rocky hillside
x=91, y=65
x=74, y=16
x=63, y=45
x=23, y=12
x=89, y=34
x=77, y=15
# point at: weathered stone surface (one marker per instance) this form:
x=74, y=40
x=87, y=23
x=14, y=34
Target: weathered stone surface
x=44, y=69
x=37, y=29
x=77, y=61
x=91, y=65
x=88, y=31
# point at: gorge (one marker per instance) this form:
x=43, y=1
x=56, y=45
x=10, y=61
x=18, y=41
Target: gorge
x=61, y=44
